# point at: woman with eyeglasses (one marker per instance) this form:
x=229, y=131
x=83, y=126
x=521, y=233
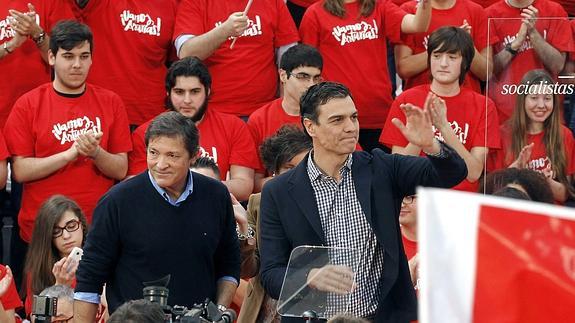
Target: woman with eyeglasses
x=60, y=226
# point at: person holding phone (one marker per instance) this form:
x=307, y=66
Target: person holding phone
x=60, y=227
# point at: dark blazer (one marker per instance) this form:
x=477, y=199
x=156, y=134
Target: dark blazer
x=290, y=218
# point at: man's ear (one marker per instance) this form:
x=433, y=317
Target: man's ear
x=51, y=58
x=283, y=75
x=309, y=127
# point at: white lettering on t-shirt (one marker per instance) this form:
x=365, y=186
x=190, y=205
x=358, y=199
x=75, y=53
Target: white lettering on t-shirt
x=141, y=23
x=461, y=132
x=70, y=130
x=254, y=27
x=351, y=33
x=6, y=30
x=204, y=153
x=538, y=164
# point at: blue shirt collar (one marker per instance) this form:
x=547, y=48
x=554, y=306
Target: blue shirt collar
x=187, y=191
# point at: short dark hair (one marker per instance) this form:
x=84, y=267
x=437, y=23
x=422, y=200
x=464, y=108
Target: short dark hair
x=280, y=148
x=138, y=311
x=301, y=55
x=207, y=162
x=320, y=94
x=450, y=39
x=173, y=125
x=188, y=67
x=511, y=192
x=533, y=182
x=68, y=34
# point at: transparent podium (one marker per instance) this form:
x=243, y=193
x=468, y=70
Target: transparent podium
x=331, y=272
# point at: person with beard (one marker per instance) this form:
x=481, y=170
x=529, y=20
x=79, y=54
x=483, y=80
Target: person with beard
x=225, y=138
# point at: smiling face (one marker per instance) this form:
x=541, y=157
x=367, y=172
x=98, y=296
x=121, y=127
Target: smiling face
x=445, y=67
x=408, y=213
x=71, y=68
x=65, y=242
x=169, y=163
x=336, y=131
x=189, y=97
x=538, y=107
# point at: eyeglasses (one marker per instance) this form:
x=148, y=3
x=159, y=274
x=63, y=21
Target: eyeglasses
x=306, y=77
x=70, y=226
x=409, y=199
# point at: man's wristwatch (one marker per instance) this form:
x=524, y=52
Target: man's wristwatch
x=222, y=308
x=39, y=40
x=510, y=50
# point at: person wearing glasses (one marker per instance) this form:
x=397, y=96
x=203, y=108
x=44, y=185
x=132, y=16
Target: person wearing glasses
x=224, y=138
x=59, y=227
x=300, y=68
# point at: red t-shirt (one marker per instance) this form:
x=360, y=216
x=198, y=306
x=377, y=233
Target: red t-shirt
x=539, y=159
x=10, y=300
x=470, y=119
x=266, y=121
x=410, y=247
x=568, y=5
x=223, y=137
x=4, y=153
x=354, y=53
x=303, y=3
x=132, y=40
x=553, y=30
x=454, y=16
x=243, y=78
x=43, y=123
x=486, y=3
x=25, y=69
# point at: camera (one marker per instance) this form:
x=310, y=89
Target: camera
x=44, y=307
x=206, y=312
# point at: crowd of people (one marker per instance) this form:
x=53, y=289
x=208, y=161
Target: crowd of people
x=201, y=141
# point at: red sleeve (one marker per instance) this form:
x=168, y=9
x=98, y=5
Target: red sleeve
x=392, y=16
x=243, y=151
x=561, y=40
x=58, y=10
x=569, y=150
x=119, y=141
x=286, y=31
x=492, y=127
x=190, y=18
x=309, y=29
x=479, y=28
x=4, y=154
x=10, y=300
x=137, y=158
x=17, y=130
x=390, y=135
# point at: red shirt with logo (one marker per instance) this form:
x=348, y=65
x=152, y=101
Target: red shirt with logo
x=454, y=16
x=224, y=138
x=470, y=118
x=43, y=123
x=132, y=42
x=554, y=31
x=243, y=78
x=25, y=69
x=354, y=53
x=539, y=159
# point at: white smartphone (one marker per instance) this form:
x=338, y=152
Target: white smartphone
x=75, y=255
